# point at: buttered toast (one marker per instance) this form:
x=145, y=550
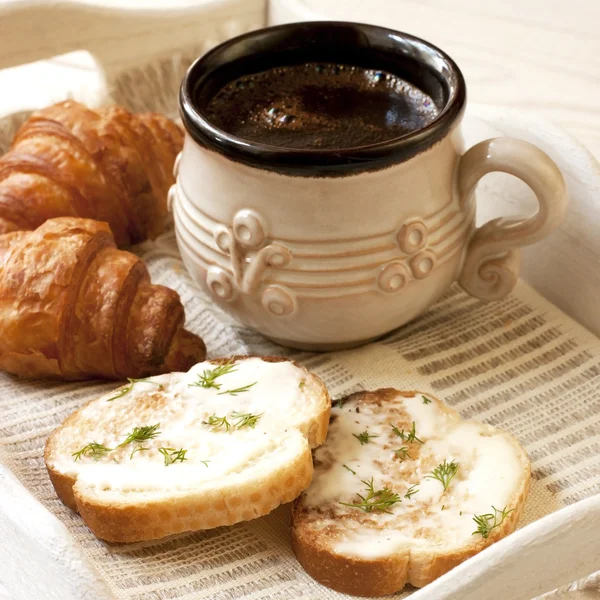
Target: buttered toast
x=227, y=441
x=403, y=491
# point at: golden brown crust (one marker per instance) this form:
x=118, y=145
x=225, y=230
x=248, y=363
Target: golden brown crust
x=109, y=165
x=73, y=306
x=389, y=574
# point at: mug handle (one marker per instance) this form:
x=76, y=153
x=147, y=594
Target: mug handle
x=491, y=267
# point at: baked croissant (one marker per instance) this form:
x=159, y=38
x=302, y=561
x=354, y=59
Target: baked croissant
x=106, y=164
x=73, y=306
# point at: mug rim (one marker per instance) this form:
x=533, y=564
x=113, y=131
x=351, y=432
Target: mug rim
x=321, y=162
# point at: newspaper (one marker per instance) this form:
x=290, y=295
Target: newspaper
x=519, y=364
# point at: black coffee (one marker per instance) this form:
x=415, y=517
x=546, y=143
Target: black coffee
x=321, y=106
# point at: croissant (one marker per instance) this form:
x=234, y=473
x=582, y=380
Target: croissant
x=106, y=164
x=73, y=306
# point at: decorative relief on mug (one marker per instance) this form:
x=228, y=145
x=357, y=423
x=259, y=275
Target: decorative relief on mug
x=247, y=236
x=419, y=262
x=393, y=277
x=278, y=301
x=423, y=263
x=412, y=236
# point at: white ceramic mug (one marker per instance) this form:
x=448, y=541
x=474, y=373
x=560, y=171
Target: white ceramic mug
x=325, y=249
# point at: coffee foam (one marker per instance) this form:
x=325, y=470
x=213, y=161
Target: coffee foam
x=321, y=106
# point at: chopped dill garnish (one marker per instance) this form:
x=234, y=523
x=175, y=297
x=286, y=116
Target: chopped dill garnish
x=238, y=421
x=444, y=473
x=137, y=449
x=209, y=376
x=411, y=436
x=245, y=420
x=402, y=453
x=93, y=450
x=126, y=389
x=172, y=455
x=379, y=500
x=487, y=522
x=412, y=490
x=364, y=437
x=216, y=422
x=239, y=390
x=141, y=434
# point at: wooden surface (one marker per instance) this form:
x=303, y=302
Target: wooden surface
x=102, y=38
x=539, y=56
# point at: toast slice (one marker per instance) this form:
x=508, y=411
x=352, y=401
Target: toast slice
x=403, y=491
x=227, y=441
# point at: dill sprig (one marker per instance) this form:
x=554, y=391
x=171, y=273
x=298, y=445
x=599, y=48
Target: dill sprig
x=216, y=422
x=444, y=473
x=137, y=449
x=205, y=462
x=239, y=390
x=93, y=450
x=141, y=434
x=172, y=455
x=301, y=384
x=411, y=436
x=349, y=469
x=487, y=522
x=245, y=419
x=426, y=400
x=241, y=420
x=402, y=453
x=126, y=389
x=364, y=437
x=379, y=500
x=412, y=490
x=209, y=376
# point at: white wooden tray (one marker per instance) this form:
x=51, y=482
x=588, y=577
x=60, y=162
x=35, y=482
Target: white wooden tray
x=559, y=548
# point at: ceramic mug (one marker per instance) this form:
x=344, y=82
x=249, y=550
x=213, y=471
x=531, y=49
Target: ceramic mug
x=326, y=249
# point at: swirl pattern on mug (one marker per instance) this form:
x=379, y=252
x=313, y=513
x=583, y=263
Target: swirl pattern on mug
x=322, y=268
x=490, y=278
x=278, y=301
x=220, y=283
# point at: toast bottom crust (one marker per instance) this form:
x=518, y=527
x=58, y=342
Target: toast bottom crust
x=158, y=519
x=384, y=576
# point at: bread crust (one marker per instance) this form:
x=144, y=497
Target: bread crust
x=386, y=575
x=191, y=511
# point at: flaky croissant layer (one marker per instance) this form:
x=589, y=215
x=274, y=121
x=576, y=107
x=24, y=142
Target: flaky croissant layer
x=106, y=164
x=74, y=306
